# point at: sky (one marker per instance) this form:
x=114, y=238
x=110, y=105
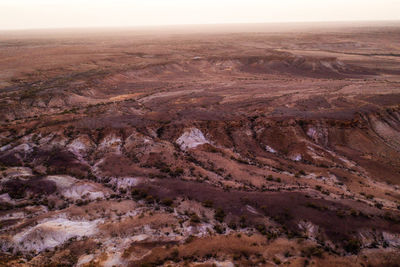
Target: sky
x=31, y=14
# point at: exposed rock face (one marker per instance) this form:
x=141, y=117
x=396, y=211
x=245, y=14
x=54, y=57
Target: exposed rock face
x=52, y=233
x=296, y=157
x=191, y=138
x=270, y=149
x=319, y=135
x=71, y=188
x=18, y=172
x=111, y=143
x=391, y=239
x=125, y=182
x=81, y=146
x=310, y=229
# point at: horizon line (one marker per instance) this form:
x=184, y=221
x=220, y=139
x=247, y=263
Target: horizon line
x=160, y=26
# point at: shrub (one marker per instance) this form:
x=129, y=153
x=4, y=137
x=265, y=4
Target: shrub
x=262, y=229
x=352, y=246
x=138, y=194
x=189, y=239
x=270, y=178
x=312, y=252
x=177, y=172
x=81, y=202
x=340, y=213
x=194, y=218
x=219, y=229
x=208, y=203
x=219, y=215
x=167, y=202
x=277, y=261
x=242, y=222
x=149, y=199
x=232, y=225
x=354, y=213
x=316, y=206
x=212, y=149
x=175, y=255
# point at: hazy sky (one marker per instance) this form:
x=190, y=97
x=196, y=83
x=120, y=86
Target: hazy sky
x=26, y=14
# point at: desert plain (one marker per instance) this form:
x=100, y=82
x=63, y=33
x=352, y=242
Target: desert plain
x=244, y=145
